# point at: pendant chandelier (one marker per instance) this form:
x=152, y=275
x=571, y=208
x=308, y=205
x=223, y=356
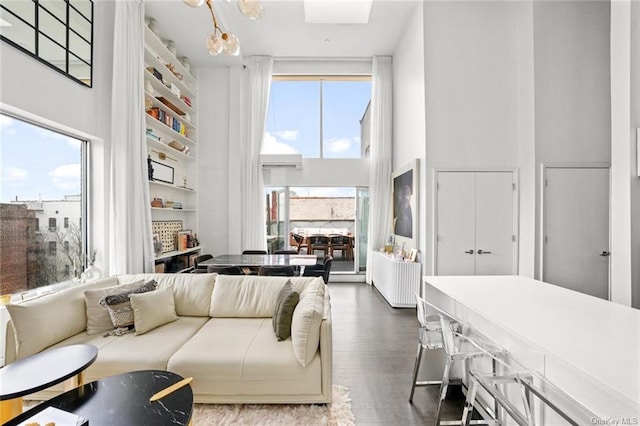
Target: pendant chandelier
x=220, y=40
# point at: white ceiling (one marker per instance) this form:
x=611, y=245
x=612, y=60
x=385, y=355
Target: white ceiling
x=282, y=32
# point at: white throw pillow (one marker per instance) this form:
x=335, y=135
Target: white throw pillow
x=239, y=296
x=153, y=309
x=305, y=325
x=97, y=315
x=49, y=319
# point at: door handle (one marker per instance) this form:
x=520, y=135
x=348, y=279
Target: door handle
x=483, y=252
x=605, y=253
x=469, y=251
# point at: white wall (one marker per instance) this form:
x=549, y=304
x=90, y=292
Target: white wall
x=471, y=91
x=409, y=111
x=572, y=86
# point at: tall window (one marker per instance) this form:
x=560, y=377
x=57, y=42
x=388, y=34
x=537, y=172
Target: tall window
x=318, y=117
x=42, y=177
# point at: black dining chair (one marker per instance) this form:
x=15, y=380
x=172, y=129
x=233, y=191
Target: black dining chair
x=320, y=269
x=285, y=252
x=341, y=243
x=254, y=252
x=198, y=269
x=224, y=270
x=276, y=271
x=318, y=242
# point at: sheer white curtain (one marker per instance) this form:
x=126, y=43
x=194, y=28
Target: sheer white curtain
x=380, y=156
x=130, y=239
x=256, y=97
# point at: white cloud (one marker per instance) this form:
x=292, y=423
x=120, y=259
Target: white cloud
x=338, y=145
x=288, y=135
x=66, y=177
x=14, y=175
x=270, y=145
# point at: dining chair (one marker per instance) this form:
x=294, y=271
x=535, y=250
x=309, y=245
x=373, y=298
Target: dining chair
x=277, y=271
x=320, y=269
x=318, y=242
x=224, y=270
x=299, y=242
x=254, y=252
x=341, y=243
x=196, y=260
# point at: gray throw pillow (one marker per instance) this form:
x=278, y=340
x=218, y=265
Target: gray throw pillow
x=286, y=303
x=119, y=305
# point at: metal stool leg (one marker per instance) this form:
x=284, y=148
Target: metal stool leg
x=467, y=413
x=443, y=389
x=416, y=367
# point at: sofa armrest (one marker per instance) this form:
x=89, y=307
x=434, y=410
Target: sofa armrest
x=326, y=350
x=9, y=344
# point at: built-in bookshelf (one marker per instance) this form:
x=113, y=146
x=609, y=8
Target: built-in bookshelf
x=171, y=138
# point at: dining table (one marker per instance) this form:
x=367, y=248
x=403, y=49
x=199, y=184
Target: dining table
x=256, y=260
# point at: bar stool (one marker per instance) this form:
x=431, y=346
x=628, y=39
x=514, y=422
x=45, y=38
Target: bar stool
x=532, y=389
x=441, y=331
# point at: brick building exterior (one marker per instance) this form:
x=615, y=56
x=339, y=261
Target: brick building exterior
x=18, y=246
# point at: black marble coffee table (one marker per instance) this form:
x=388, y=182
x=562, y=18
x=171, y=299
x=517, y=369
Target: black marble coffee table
x=41, y=371
x=124, y=400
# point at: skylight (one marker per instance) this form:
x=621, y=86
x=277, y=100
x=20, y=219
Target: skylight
x=337, y=11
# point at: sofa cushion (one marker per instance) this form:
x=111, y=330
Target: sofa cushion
x=119, y=305
x=241, y=356
x=239, y=296
x=191, y=292
x=32, y=319
x=305, y=325
x=153, y=309
x=98, y=319
x=287, y=300
x=128, y=352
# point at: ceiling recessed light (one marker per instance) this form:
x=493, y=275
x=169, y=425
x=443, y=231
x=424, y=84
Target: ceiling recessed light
x=326, y=40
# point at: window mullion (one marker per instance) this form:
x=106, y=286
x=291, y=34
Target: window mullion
x=321, y=124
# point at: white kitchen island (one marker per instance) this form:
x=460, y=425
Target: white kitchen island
x=588, y=347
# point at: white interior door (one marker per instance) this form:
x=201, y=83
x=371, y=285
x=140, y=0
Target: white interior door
x=576, y=229
x=495, y=243
x=456, y=223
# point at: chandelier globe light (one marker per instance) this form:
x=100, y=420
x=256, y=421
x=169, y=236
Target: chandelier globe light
x=252, y=9
x=223, y=41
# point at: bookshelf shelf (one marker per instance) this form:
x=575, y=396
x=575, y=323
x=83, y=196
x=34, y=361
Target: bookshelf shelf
x=170, y=107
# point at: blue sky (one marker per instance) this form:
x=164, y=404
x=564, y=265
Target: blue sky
x=37, y=162
x=293, y=119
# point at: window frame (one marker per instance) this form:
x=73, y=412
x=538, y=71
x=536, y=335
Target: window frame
x=322, y=78
x=85, y=186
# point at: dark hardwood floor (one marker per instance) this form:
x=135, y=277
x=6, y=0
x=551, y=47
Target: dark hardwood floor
x=374, y=349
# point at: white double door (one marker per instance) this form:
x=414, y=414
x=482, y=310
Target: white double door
x=476, y=230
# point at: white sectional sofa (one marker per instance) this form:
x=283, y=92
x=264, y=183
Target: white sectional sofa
x=223, y=337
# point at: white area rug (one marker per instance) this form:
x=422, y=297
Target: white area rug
x=337, y=413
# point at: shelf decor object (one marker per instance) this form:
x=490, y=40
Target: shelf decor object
x=220, y=40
